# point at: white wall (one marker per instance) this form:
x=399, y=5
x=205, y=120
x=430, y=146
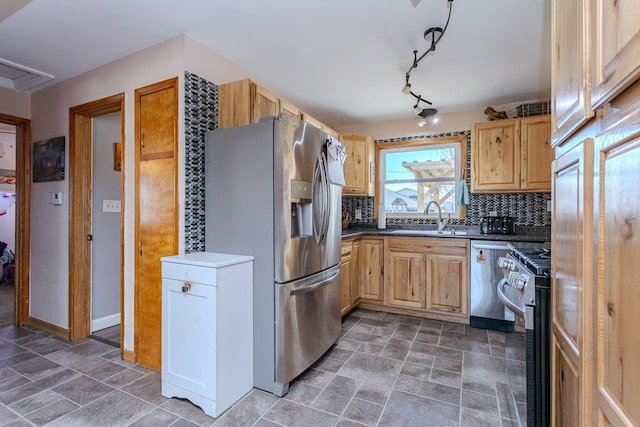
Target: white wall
x=50, y=118
x=15, y=103
x=449, y=122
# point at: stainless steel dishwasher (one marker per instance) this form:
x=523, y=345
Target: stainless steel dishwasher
x=486, y=309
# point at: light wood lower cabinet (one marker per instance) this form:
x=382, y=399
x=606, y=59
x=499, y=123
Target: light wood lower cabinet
x=427, y=277
x=371, y=269
x=349, y=272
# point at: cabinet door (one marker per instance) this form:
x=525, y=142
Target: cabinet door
x=447, y=285
x=189, y=349
x=537, y=154
x=495, y=155
x=571, y=296
x=345, y=278
x=234, y=104
x=355, y=273
x=618, y=269
x=406, y=279
x=371, y=276
x=359, y=170
x=616, y=54
x=290, y=109
x=570, y=90
x=565, y=389
x=265, y=104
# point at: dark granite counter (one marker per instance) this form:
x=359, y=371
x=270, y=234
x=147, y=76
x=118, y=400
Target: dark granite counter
x=523, y=234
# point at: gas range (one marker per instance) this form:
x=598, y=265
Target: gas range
x=535, y=259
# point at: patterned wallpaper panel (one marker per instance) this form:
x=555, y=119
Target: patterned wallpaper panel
x=200, y=116
x=528, y=209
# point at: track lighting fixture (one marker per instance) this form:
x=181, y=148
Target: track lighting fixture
x=432, y=35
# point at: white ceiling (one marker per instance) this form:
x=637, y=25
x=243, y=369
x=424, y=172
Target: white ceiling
x=342, y=61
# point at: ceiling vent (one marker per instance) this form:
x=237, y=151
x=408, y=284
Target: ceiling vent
x=19, y=77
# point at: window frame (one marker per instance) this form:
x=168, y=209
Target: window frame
x=461, y=168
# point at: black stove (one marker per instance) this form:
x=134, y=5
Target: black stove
x=536, y=259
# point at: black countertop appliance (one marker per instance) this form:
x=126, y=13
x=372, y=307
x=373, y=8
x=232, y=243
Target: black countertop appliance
x=497, y=225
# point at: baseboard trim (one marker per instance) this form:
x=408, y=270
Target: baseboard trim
x=129, y=356
x=105, y=322
x=50, y=328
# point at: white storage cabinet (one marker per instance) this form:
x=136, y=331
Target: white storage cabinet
x=207, y=328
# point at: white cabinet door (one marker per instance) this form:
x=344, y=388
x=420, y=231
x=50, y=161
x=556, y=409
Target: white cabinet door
x=189, y=322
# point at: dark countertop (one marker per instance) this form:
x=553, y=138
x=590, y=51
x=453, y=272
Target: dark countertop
x=523, y=234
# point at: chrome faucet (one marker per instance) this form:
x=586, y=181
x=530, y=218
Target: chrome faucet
x=441, y=222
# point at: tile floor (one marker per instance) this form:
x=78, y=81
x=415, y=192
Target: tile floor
x=385, y=370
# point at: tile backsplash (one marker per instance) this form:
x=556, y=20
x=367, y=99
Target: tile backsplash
x=528, y=209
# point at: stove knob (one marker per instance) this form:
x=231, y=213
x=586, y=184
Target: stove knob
x=517, y=280
x=506, y=263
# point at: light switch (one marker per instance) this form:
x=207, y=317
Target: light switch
x=111, y=206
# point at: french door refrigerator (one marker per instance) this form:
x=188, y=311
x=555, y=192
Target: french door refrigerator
x=269, y=193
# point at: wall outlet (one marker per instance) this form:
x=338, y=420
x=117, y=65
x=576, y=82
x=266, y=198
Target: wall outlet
x=111, y=206
x=548, y=205
x=55, y=198
x=358, y=213
x=493, y=213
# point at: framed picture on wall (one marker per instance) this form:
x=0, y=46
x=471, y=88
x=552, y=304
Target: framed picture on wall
x=48, y=160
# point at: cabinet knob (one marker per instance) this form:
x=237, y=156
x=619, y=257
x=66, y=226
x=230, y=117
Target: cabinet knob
x=186, y=287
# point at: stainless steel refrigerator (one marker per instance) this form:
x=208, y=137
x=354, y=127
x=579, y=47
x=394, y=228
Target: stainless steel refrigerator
x=269, y=193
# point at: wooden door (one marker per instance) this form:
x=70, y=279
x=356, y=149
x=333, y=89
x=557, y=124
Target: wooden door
x=618, y=270
x=495, y=156
x=570, y=89
x=537, y=154
x=406, y=279
x=265, y=104
x=447, y=283
x=572, y=297
x=156, y=210
x=371, y=257
x=616, y=50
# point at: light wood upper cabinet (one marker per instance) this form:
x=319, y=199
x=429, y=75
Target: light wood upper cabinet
x=359, y=167
x=537, y=154
x=371, y=269
x=512, y=155
x=265, y=103
x=570, y=89
x=312, y=121
x=244, y=102
x=290, y=109
x=616, y=50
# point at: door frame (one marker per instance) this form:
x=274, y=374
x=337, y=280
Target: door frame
x=80, y=182
x=23, y=211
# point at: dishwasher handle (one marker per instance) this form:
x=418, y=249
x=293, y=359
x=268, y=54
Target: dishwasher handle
x=491, y=246
x=506, y=301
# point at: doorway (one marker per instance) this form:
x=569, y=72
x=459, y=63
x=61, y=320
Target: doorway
x=105, y=221
x=7, y=223
x=20, y=291
x=82, y=124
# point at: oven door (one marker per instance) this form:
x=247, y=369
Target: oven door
x=510, y=298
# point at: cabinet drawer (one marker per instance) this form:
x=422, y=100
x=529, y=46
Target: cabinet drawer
x=189, y=273
x=444, y=246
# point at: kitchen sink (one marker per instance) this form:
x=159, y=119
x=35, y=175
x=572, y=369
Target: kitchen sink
x=430, y=232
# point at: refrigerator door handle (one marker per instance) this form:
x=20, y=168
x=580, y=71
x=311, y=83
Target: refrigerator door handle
x=327, y=206
x=318, y=197
x=312, y=287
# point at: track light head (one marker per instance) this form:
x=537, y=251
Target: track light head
x=407, y=89
x=426, y=112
